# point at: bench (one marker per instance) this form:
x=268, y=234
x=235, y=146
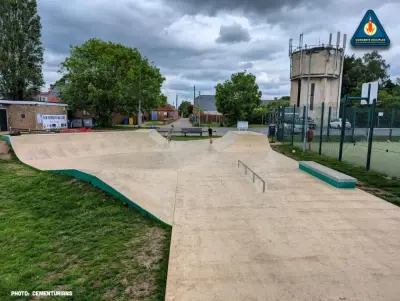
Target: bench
x=328, y=175
x=192, y=131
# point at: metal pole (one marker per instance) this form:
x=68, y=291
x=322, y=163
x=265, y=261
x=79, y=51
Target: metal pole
x=329, y=123
x=371, y=134
x=305, y=122
x=140, y=97
x=353, y=124
x=322, y=127
x=293, y=120
x=343, y=129
x=391, y=125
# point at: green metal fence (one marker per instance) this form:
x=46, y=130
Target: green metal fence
x=365, y=126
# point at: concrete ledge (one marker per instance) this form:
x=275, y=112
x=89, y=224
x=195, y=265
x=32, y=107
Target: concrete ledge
x=328, y=175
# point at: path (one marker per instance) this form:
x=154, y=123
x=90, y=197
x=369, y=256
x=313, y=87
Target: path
x=301, y=240
x=182, y=123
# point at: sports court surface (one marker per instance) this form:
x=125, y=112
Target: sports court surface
x=385, y=156
x=300, y=240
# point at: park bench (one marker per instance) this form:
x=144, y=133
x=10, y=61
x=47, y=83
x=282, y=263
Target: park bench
x=328, y=175
x=192, y=131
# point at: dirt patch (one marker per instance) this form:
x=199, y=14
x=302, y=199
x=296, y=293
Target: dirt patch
x=19, y=169
x=111, y=294
x=4, y=151
x=152, y=253
x=51, y=276
x=140, y=290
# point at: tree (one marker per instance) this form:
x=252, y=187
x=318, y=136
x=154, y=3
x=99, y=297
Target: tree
x=238, y=97
x=184, y=108
x=356, y=71
x=162, y=100
x=21, y=51
x=105, y=77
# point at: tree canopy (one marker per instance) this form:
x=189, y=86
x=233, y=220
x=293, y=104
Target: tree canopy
x=104, y=77
x=185, y=108
x=21, y=51
x=238, y=97
x=370, y=67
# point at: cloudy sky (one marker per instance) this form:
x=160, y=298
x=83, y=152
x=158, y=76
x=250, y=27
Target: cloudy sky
x=202, y=42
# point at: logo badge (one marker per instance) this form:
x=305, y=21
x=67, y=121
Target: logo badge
x=370, y=33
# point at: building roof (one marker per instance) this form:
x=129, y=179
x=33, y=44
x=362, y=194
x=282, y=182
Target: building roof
x=168, y=107
x=206, y=102
x=38, y=103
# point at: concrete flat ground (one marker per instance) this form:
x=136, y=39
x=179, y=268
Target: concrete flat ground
x=300, y=240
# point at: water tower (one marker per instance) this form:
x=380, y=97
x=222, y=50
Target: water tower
x=316, y=75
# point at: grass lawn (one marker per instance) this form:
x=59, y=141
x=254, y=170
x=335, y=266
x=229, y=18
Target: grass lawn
x=152, y=123
x=58, y=233
x=383, y=186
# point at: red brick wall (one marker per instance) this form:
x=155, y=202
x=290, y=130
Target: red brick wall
x=28, y=121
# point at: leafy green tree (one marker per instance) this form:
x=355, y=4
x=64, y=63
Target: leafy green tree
x=238, y=97
x=105, y=77
x=162, y=100
x=184, y=108
x=21, y=51
x=356, y=71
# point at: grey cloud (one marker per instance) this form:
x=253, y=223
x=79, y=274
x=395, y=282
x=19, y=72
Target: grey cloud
x=234, y=33
x=212, y=7
x=246, y=65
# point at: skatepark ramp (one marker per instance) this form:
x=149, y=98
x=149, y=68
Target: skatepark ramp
x=138, y=166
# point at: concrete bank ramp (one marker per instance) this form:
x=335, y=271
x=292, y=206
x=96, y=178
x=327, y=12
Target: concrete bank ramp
x=242, y=141
x=141, y=165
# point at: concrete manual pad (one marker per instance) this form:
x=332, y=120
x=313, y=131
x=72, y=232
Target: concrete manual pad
x=301, y=240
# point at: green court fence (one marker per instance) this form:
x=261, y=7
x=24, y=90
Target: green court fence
x=365, y=126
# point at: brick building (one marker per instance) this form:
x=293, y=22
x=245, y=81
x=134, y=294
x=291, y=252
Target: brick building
x=32, y=115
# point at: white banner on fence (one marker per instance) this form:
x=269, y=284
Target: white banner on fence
x=54, y=121
x=242, y=125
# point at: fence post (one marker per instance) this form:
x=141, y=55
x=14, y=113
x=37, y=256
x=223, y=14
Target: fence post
x=391, y=125
x=343, y=128
x=322, y=128
x=329, y=123
x=304, y=124
x=293, y=119
x=353, y=124
x=371, y=135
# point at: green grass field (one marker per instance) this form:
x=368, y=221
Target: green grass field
x=58, y=233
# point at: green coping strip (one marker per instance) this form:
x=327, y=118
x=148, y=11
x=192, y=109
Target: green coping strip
x=326, y=179
x=96, y=182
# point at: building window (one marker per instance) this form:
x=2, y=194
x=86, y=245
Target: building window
x=298, y=92
x=312, y=96
x=22, y=115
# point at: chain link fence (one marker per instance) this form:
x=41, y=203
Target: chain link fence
x=362, y=124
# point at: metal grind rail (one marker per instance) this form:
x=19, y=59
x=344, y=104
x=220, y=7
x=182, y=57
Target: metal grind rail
x=254, y=174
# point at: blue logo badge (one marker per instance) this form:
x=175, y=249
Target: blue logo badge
x=370, y=33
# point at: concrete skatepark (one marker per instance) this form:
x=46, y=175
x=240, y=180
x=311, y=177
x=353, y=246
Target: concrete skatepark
x=300, y=240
